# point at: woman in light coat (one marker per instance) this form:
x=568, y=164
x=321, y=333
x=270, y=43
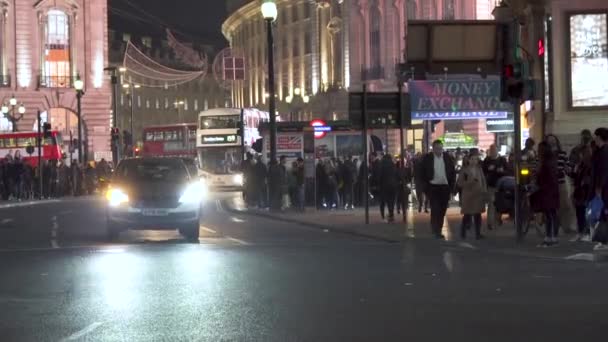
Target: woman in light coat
x=473, y=194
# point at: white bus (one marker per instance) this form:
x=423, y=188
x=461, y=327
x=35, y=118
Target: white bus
x=219, y=147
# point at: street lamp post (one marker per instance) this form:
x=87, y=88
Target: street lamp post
x=79, y=86
x=8, y=110
x=269, y=12
x=131, y=88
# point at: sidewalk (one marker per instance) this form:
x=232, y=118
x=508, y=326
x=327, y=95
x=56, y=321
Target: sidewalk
x=499, y=240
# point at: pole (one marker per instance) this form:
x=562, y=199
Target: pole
x=78, y=101
x=517, y=166
x=115, y=146
x=401, y=144
x=243, y=132
x=271, y=92
x=72, y=147
x=365, y=154
x=132, y=109
x=40, y=156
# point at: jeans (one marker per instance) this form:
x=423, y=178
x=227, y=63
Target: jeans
x=492, y=217
x=581, y=220
x=469, y=219
x=439, y=197
x=300, y=197
x=387, y=198
x=551, y=225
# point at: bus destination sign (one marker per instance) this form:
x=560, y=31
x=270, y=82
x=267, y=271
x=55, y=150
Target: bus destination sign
x=219, y=139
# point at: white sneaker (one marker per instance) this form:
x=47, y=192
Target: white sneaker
x=586, y=238
x=600, y=247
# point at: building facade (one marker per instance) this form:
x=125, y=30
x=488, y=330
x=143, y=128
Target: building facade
x=158, y=105
x=324, y=48
x=575, y=65
x=45, y=46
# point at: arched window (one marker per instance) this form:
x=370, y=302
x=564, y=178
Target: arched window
x=411, y=9
x=56, y=69
x=374, y=35
x=448, y=10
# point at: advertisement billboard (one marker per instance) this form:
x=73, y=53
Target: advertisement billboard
x=588, y=60
x=456, y=99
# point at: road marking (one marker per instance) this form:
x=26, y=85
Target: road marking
x=7, y=220
x=54, y=228
x=581, y=256
x=239, y=241
x=25, y=204
x=236, y=219
x=80, y=333
x=209, y=230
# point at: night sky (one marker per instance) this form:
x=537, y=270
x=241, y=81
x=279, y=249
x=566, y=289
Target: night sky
x=191, y=20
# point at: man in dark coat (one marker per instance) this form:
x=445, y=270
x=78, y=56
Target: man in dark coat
x=388, y=186
x=600, y=182
x=440, y=177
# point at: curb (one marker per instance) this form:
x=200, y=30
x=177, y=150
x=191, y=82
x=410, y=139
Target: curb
x=315, y=225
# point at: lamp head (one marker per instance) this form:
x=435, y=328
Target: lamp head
x=13, y=101
x=269, y=10
x=78, y=84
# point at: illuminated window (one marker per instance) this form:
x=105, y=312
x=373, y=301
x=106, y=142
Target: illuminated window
x=374, y=36
x=411, y=9
x=56, y=65
x=588, y=45
x=448, y=10
x=157, y=104
x=147, y=104
x=166, y=103
x=195, y=104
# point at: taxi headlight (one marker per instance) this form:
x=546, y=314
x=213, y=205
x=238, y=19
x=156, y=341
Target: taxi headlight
x=238, y=179
x=194, y=193
x=116, y=197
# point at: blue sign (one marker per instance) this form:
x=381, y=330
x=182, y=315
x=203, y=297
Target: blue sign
x=322, y=128
x=457, y=99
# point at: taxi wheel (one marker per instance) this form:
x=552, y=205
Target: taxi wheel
x=191, y=232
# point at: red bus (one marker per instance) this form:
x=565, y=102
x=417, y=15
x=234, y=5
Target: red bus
x=170, y=140
x=11, y=142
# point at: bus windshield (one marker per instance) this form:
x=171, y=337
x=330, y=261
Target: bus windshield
x=219, y=121
x=220, y=160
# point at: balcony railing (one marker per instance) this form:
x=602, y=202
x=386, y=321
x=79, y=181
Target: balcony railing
x=373, y=73
x=62, y=81
x=5, y=80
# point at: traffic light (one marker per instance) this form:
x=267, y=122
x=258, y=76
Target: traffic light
x=46, y=129
x=512, y=81
x=115, y=136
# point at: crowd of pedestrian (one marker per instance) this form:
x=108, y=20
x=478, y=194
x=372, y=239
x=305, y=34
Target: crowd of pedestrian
x=20, y=179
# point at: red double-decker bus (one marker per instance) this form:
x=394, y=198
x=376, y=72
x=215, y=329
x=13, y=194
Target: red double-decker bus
x=170, y=140
x=11, y=142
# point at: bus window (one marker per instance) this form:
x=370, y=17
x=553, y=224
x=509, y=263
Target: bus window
x=10, y=142
x=149, y=136
x=23, y=142
x=220, y=122
x=158, y=136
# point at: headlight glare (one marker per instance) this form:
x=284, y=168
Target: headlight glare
x=238, y=179
x=194, y=193
x=116, y=197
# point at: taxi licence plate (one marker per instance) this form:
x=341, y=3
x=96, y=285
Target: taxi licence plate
x=155, y=212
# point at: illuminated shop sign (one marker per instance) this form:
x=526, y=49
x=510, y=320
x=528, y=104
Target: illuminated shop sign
x=457, y=99
x=588, y=60
x=219, y=139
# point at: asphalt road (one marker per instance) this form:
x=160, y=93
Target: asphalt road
x=255, y=279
